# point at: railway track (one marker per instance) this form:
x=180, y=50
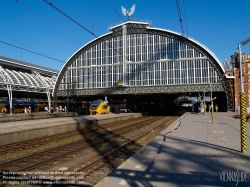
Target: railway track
x=50, y=155
x=12, y=151
x=105, y=149
x=95, y=171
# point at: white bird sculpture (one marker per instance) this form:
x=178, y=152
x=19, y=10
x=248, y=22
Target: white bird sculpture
x=128, y=13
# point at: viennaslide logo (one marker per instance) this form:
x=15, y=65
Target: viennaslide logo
x=233, y=176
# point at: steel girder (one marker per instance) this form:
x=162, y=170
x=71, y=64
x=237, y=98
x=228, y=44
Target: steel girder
x=21, y=88
x=170, y=89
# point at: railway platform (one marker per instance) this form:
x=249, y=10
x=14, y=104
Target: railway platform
x=34, y=116
x=193, y=151
x=17, y=131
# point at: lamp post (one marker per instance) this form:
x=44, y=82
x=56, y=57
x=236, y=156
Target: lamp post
x=242, y=103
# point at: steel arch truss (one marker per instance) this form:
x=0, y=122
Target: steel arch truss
x=223, y=86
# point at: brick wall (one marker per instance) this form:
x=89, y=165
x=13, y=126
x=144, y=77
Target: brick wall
x=245, y=78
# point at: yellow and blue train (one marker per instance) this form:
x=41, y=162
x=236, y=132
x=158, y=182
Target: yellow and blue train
x=37, y=105
x=98, y=107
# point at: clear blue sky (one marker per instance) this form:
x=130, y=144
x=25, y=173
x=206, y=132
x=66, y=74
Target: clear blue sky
x=218, y=24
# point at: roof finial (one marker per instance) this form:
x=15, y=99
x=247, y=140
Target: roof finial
x=128, y=13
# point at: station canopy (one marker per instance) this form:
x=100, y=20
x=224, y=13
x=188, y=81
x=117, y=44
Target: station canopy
x=25, y=77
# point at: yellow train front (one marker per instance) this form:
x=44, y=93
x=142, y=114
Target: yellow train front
x=98, y=107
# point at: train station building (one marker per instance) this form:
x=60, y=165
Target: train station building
x=140, y=64
x=146, y=68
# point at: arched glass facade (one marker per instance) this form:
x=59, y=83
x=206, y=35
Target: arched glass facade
x=132, y=56
x=150, y=60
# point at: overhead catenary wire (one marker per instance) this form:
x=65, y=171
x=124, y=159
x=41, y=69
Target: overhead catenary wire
x=31, y=51
x=57, y=9
x=185, y=16
x=21, y=43
x=116, y=10
x=179, y=14
x=48, y=22
x=93, y=16
x=92, y=33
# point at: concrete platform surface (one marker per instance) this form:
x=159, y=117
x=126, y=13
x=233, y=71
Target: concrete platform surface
x=17, y=131
x=190, y=152
x=34, y=116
